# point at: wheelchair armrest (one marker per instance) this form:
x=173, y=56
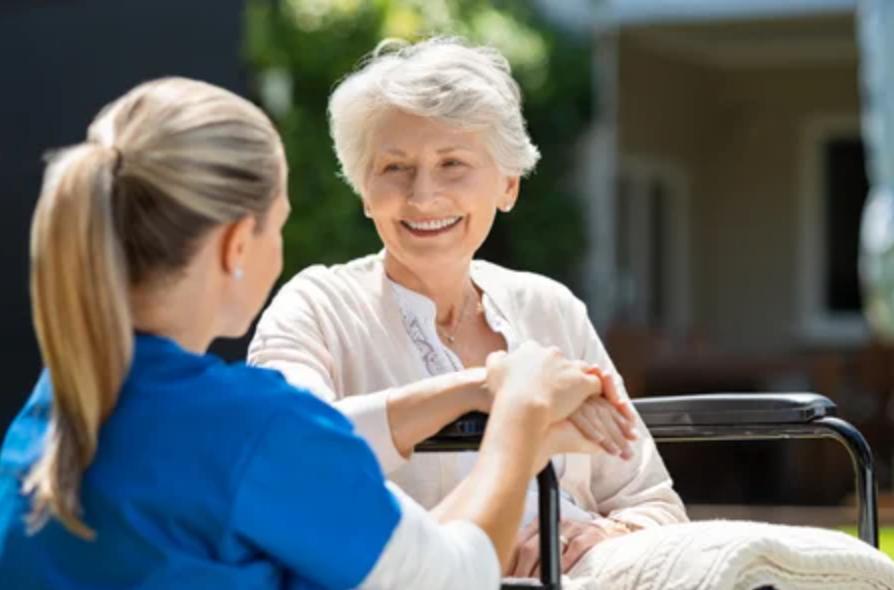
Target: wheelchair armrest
x=712, y=409
x=733, y=409
x=464, y=433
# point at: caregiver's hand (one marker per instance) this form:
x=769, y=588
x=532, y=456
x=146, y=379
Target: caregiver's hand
x=565, y=437
x=605, y=418
x=535, y=389
x=577, y=538
x=543, y=377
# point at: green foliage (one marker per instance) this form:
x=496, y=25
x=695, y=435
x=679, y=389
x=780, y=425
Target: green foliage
x=299, y=49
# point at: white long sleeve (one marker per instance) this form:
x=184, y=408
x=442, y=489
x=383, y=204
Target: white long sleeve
x=640, y=491
x=425, y=554
x=293, y=338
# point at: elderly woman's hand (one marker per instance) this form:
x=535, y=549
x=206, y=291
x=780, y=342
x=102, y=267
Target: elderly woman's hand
x=576, y=537
x=609, y=420
x=601, y=423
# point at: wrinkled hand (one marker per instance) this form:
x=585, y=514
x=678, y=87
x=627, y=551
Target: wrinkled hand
x=602, y=423
x=611, y=391
x=607, y=423
x=580, y=537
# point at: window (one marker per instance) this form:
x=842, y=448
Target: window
x=652, y=245
x=833, y=194
x=844, y=193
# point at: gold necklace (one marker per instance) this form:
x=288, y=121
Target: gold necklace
x=451, y=338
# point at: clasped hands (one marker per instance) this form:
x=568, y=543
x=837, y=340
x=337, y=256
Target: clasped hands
x=593, y=415
x=590, y=414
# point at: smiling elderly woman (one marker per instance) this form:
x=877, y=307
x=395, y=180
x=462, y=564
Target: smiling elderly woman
x=432, y=138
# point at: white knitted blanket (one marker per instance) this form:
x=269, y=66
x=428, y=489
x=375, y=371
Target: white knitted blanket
x=734, y=555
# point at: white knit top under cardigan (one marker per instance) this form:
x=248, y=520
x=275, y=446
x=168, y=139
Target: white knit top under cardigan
x=338, y=331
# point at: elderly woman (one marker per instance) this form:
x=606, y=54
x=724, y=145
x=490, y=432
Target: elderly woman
x=432, y=138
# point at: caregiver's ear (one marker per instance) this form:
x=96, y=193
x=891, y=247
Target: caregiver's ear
x=236, y=241
x=510, y=194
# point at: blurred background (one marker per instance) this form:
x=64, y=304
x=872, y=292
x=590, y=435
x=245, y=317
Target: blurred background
x=701, y=188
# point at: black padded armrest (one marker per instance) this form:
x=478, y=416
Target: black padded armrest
x=470, y=425
x=712, y=409
x=734, y=409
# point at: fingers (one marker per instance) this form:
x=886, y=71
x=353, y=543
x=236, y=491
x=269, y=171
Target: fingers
x=530, y=530
x=562, y=383
x=584, y=539
x=602, y=416
x=628, y=428
x=599, y=422
x=613, y=394
x=611, y=391
x=589, y=420
x=581, y=538
x=586, y=426
x=613, y=429
x=520, y=539
x=528, y=560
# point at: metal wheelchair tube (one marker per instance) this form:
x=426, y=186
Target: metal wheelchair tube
x=867, y=493
x=550, y=549
x=822, y=427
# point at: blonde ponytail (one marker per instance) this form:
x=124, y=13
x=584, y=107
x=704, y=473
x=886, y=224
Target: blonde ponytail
x=162, y=165
x=82, y=319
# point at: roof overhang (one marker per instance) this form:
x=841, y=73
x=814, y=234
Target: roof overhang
x=608, y=14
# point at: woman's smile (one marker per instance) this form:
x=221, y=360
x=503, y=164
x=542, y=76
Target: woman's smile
x=432, y=226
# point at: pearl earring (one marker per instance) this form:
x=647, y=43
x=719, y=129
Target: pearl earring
x=238, y=273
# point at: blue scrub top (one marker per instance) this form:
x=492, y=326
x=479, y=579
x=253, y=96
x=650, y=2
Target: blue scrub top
x=207, y=475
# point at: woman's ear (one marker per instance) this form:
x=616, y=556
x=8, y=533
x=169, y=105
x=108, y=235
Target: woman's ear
x=510, y=194
x=235, y=244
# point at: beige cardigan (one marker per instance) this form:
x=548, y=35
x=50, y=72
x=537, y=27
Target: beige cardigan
x=338, y=332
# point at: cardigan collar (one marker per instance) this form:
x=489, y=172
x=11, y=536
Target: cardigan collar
x=483, y=274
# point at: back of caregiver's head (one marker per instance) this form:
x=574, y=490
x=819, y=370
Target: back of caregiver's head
x=162, y=167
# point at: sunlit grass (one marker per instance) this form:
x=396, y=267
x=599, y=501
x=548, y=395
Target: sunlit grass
x=886, y=538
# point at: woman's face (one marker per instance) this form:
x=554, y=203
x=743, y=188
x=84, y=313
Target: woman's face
x=432, y=191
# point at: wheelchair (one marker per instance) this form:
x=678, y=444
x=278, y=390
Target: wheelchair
x=695, y=418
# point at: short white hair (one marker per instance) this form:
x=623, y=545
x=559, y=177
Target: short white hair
x=442, y=78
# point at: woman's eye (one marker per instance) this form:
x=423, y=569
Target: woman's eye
x=452, y=163
x=393, y=167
